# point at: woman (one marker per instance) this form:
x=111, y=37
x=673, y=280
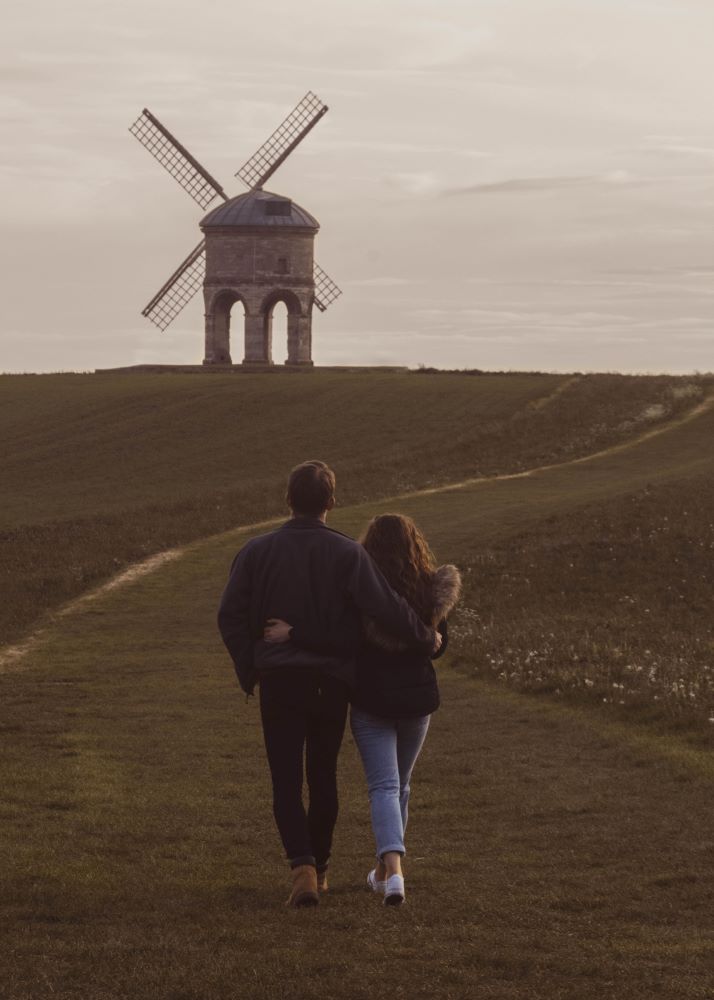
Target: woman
x=395, y=688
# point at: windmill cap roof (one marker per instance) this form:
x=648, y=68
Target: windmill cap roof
x=260, y=208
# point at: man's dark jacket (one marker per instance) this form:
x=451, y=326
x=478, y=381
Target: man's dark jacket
x=311, y=576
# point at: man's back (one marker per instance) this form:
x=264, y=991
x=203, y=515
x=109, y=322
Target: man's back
x=300, y=573
x=317, y=578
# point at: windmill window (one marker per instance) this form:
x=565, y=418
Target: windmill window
x=278, y=207
x=283, y=265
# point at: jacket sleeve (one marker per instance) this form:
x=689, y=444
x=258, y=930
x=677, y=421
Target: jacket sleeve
x=340, y=643
x=374, y=597
x=234, y=620
x=443, y=629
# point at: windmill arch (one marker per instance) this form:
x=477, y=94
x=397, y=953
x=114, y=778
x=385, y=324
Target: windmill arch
x=276, y=320
x=298, y=317
x=218, y=324
x=299, y=306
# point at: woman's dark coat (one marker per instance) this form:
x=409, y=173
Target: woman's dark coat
x=393, y=679
x=396, y=682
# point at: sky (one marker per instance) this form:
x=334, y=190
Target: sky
x=501, y=184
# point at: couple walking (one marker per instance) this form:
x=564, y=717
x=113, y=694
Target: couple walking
x=320, y=621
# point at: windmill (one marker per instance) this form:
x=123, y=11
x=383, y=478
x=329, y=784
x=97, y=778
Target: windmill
x=257, y=248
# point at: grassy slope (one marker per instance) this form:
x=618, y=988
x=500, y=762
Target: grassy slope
x=100, y=471
x=610, y=603
x=548, y=559
x=553, y=854
x=100, y=445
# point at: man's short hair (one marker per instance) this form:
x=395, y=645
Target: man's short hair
x=311, y=487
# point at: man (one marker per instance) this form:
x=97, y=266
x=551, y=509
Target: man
x=318, y=578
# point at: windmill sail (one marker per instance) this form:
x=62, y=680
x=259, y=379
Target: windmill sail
x=175, y=158
x=326, y=291
x=178, y=290
x=276, y=149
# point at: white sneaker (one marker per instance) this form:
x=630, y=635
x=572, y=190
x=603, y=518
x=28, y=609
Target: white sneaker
x=373, y=883
x=394, y=891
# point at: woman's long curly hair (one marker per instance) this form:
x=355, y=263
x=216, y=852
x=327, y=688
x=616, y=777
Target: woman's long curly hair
x=404, y=557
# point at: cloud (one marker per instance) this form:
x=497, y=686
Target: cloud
x=378, y=282
x=516, y=185
x=414, y=182
x=440, y=42
x=673, y=146
x=321, y=145
x=531, y=322
x=663, y=280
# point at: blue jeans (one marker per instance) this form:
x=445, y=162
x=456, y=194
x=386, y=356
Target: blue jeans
x=389, y=749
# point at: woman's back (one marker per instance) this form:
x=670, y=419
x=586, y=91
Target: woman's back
x=394, y=681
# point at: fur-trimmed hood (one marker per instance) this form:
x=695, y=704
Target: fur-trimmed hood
x=445, y=592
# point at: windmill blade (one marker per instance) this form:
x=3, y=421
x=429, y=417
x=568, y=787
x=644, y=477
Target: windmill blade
x=275, y=150
x=176, y=159
x=326, y=291
x=178, y=290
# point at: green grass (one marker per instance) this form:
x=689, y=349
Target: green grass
x=99, y=471
x=553, y=851
x=611, y=603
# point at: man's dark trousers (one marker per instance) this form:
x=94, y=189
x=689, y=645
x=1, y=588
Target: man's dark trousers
x=304, y=712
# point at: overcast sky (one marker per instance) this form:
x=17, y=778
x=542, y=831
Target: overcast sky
x=523, y=184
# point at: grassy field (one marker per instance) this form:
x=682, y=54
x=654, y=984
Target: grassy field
x=611, y=603
x=557, y=850
x=99, y=471
x=554, y=852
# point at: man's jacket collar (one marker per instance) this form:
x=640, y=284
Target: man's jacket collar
x=304, y=522
x=296, y=523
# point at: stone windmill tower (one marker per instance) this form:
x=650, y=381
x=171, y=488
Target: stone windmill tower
x=258, y=248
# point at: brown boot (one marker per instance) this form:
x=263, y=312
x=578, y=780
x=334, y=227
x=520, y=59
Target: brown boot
x=322, y=881
x=304, y=890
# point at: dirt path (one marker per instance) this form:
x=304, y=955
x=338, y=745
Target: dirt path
x=11, y=657
x=699, y=410
x=540, y=404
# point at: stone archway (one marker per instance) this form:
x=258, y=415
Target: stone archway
x=218, y=327
x=277, y=330
x=299, y=335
